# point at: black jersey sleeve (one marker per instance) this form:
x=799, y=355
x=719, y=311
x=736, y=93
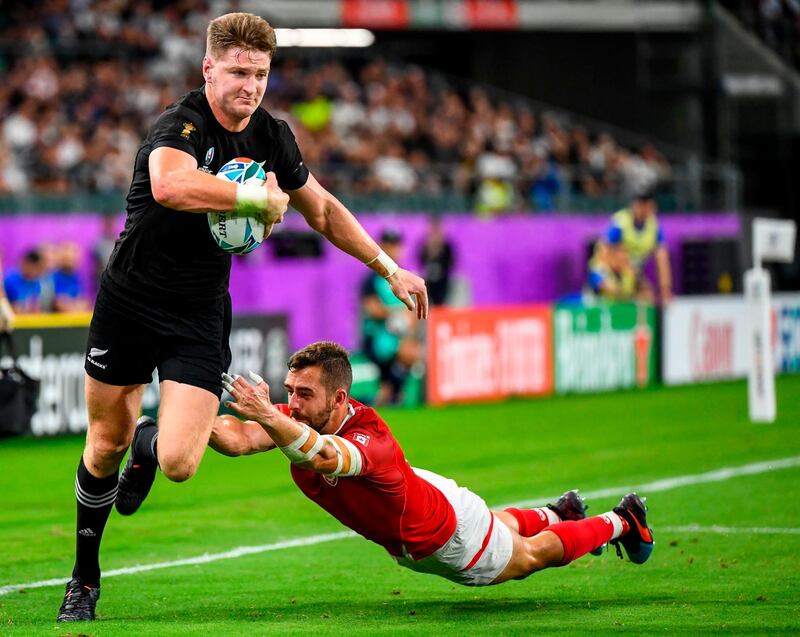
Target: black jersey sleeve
x=180, y=128
x=290, y=169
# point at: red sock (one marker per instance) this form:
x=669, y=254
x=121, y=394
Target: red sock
x=581, y=537
x=532, y=521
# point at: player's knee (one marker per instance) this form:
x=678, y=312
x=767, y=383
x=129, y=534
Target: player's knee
x=176, y=468
x=107, y=447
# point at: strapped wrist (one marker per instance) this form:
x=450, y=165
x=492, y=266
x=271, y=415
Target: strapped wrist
x=251, y=200
x=383, y=264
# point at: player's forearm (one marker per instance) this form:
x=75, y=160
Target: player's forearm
x=342, y=229
x=286, y=431
x=282, y=429
x=232, y=437
x=190, y=190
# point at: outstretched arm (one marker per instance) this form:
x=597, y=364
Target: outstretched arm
x=232, y=437
x=328, y=216
x=305, y=447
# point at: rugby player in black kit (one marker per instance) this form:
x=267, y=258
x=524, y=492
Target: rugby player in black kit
x=163, y=302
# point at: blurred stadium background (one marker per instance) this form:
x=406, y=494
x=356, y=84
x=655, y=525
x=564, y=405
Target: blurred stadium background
x=515, y=129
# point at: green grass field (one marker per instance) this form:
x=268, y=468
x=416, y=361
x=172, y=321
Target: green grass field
x=740, y=580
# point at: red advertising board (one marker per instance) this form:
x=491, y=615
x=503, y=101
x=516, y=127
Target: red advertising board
x=491, y=14
x=375, y=14
x=489, y=353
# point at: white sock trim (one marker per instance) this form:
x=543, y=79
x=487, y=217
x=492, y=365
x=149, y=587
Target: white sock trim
x=552, y=516
x=614, y=520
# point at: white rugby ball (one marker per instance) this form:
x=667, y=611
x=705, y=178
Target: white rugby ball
x=234, y=233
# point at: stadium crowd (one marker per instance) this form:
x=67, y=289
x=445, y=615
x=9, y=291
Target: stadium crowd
x=76, y=100
x=47, y=280
x=776, y=22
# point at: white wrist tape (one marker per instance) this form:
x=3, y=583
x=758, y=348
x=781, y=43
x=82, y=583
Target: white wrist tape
x=349, y=457
x=304, y=447
x=250, y=200
x=386, y=266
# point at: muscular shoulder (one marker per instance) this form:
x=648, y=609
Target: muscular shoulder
x=182, y=125
x=188, y=107
x=275, y=128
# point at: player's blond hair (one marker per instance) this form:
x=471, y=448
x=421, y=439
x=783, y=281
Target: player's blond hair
x=241, y=31
x=333, y=361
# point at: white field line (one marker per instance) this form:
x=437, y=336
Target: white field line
x=726, y=530
x=667, y=484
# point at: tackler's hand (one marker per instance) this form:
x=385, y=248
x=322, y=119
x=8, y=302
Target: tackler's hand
x=250, y=401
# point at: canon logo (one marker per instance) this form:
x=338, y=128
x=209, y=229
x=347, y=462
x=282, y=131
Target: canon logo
x=711, y=347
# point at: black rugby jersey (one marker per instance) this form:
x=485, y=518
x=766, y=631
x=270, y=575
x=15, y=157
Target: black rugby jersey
x=169, y=255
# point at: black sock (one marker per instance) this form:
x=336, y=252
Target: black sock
x=95, y=498
x=146, y=444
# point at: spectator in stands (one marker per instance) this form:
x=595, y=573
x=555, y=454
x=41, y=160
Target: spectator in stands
x=497, y=173
x=636, y=229
x=78, y=53
x=388, y=338
x=6, y=311
x=69, y=293
x=436, y=257
x=23, y=285
x=393, y=171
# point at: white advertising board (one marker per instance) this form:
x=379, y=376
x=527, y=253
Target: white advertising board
x=705, y=338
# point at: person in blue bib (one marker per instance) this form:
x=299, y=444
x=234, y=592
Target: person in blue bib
x=636, y=229
x=388, y=338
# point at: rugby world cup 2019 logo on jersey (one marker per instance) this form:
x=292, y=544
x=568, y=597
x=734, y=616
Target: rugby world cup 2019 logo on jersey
x=206, y=167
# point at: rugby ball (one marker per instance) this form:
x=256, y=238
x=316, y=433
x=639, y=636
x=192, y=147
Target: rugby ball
x=234, y=233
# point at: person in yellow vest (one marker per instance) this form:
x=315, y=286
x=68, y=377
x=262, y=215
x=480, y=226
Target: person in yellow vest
x=611, y=275
x=636, y=229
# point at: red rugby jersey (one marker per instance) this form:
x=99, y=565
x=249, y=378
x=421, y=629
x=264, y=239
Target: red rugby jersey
x=388, y=503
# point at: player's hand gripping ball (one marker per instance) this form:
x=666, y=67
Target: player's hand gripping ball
x=234, y=233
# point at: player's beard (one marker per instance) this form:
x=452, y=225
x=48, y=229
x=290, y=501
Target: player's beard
x=316, y=421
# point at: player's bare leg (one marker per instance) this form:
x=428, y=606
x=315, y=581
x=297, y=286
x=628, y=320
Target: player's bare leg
x=112, y=412
x=531, y=554
x=185, y=419
x=176, y=445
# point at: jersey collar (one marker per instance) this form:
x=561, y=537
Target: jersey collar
x=350, y=413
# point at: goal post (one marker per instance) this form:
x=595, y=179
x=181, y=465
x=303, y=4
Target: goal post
x=773, y=240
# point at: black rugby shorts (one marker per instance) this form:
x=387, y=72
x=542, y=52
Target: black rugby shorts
x=128, y=340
